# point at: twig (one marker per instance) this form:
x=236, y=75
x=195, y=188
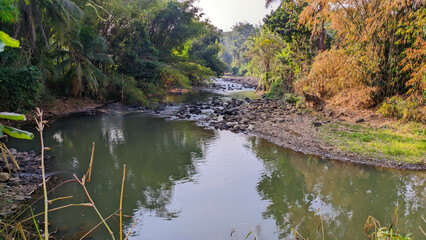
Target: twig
x=40, y=127
x=91, y=230
x=89, y=171
x=131, y=230
x=11, y=157
x=82, y=181
x=322, y=224
x=68, y=181
x=121, y=202
x=5, y=158
x=59, y=208
x=59, y=198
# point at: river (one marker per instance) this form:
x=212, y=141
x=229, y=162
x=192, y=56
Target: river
x=186, y=182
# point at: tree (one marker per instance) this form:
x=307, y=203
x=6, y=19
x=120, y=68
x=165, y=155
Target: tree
x=174, y=26
x=234, y=47
x=79, y=61
x=263, y=50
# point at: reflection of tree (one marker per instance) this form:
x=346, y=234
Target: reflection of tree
x=297, y=186
x=157, y=154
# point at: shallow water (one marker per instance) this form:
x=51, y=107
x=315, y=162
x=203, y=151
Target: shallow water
x=185, y=182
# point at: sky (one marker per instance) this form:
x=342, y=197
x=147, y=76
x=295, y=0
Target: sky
x=225, y=13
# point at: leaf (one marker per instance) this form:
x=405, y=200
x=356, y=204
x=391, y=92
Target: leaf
x=12, y=116
x=8, y=41
x=1, y=131
x=18, y=133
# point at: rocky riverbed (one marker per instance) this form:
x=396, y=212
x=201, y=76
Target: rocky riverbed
x=17, y=185
x=277, y=122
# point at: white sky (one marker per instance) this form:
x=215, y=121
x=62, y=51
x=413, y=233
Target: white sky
x=225, y=13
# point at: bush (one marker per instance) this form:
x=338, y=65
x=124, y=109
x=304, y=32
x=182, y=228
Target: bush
x=196, y=73
x=124, y=88
x=142, y=70
x=406, y=110
x=171, y=77
x=291, y=98
x=341, y=78
x=234, y=71
x=20, y=88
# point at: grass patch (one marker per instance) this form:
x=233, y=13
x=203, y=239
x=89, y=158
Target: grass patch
x=401, y=142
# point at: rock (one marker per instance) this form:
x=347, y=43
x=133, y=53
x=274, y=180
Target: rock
x=316, y=124
x=360, y=120
x=15, y=181
x=4, y=176
x=250, y=127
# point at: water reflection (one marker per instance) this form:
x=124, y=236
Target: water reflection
x=301, y=190
x=158, y=155
x=185, y=182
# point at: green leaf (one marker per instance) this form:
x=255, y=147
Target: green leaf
x=12, y=116
x=1, y=131
x=8, y=41
x=18, y=133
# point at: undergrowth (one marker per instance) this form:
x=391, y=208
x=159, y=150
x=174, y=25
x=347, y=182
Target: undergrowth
x=402, y=143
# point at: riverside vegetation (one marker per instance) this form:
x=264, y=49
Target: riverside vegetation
x=363, y=61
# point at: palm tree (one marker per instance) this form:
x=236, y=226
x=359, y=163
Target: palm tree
x=80, y=59
x=47, y=17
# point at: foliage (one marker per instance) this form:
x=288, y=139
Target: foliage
x=354, y=53
x=205, y=50
x=234, y=48
x=406, y=110
x=9, y=11
x=263, y=49
x=384, y=38
x=76, y=44
x=20, y=88
x=340, y=77
x=375, y=231
x=295, y=57
x=174, y=26
x=124, y=88
x=291, y=98
x=78, y=62
x=171, y=77
x=196, y=73
x=14, y=132
x=6, y=40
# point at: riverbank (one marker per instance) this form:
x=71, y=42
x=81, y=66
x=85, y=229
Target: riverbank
x=17, y=185
x=327, y=134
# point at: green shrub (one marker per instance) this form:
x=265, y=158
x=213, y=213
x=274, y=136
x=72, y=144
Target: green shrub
x=20, y=89
x=291, y=98
x=124, y=88
x=406, y=110
x=171, y=77
x=195, y=72
x=234, y=71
